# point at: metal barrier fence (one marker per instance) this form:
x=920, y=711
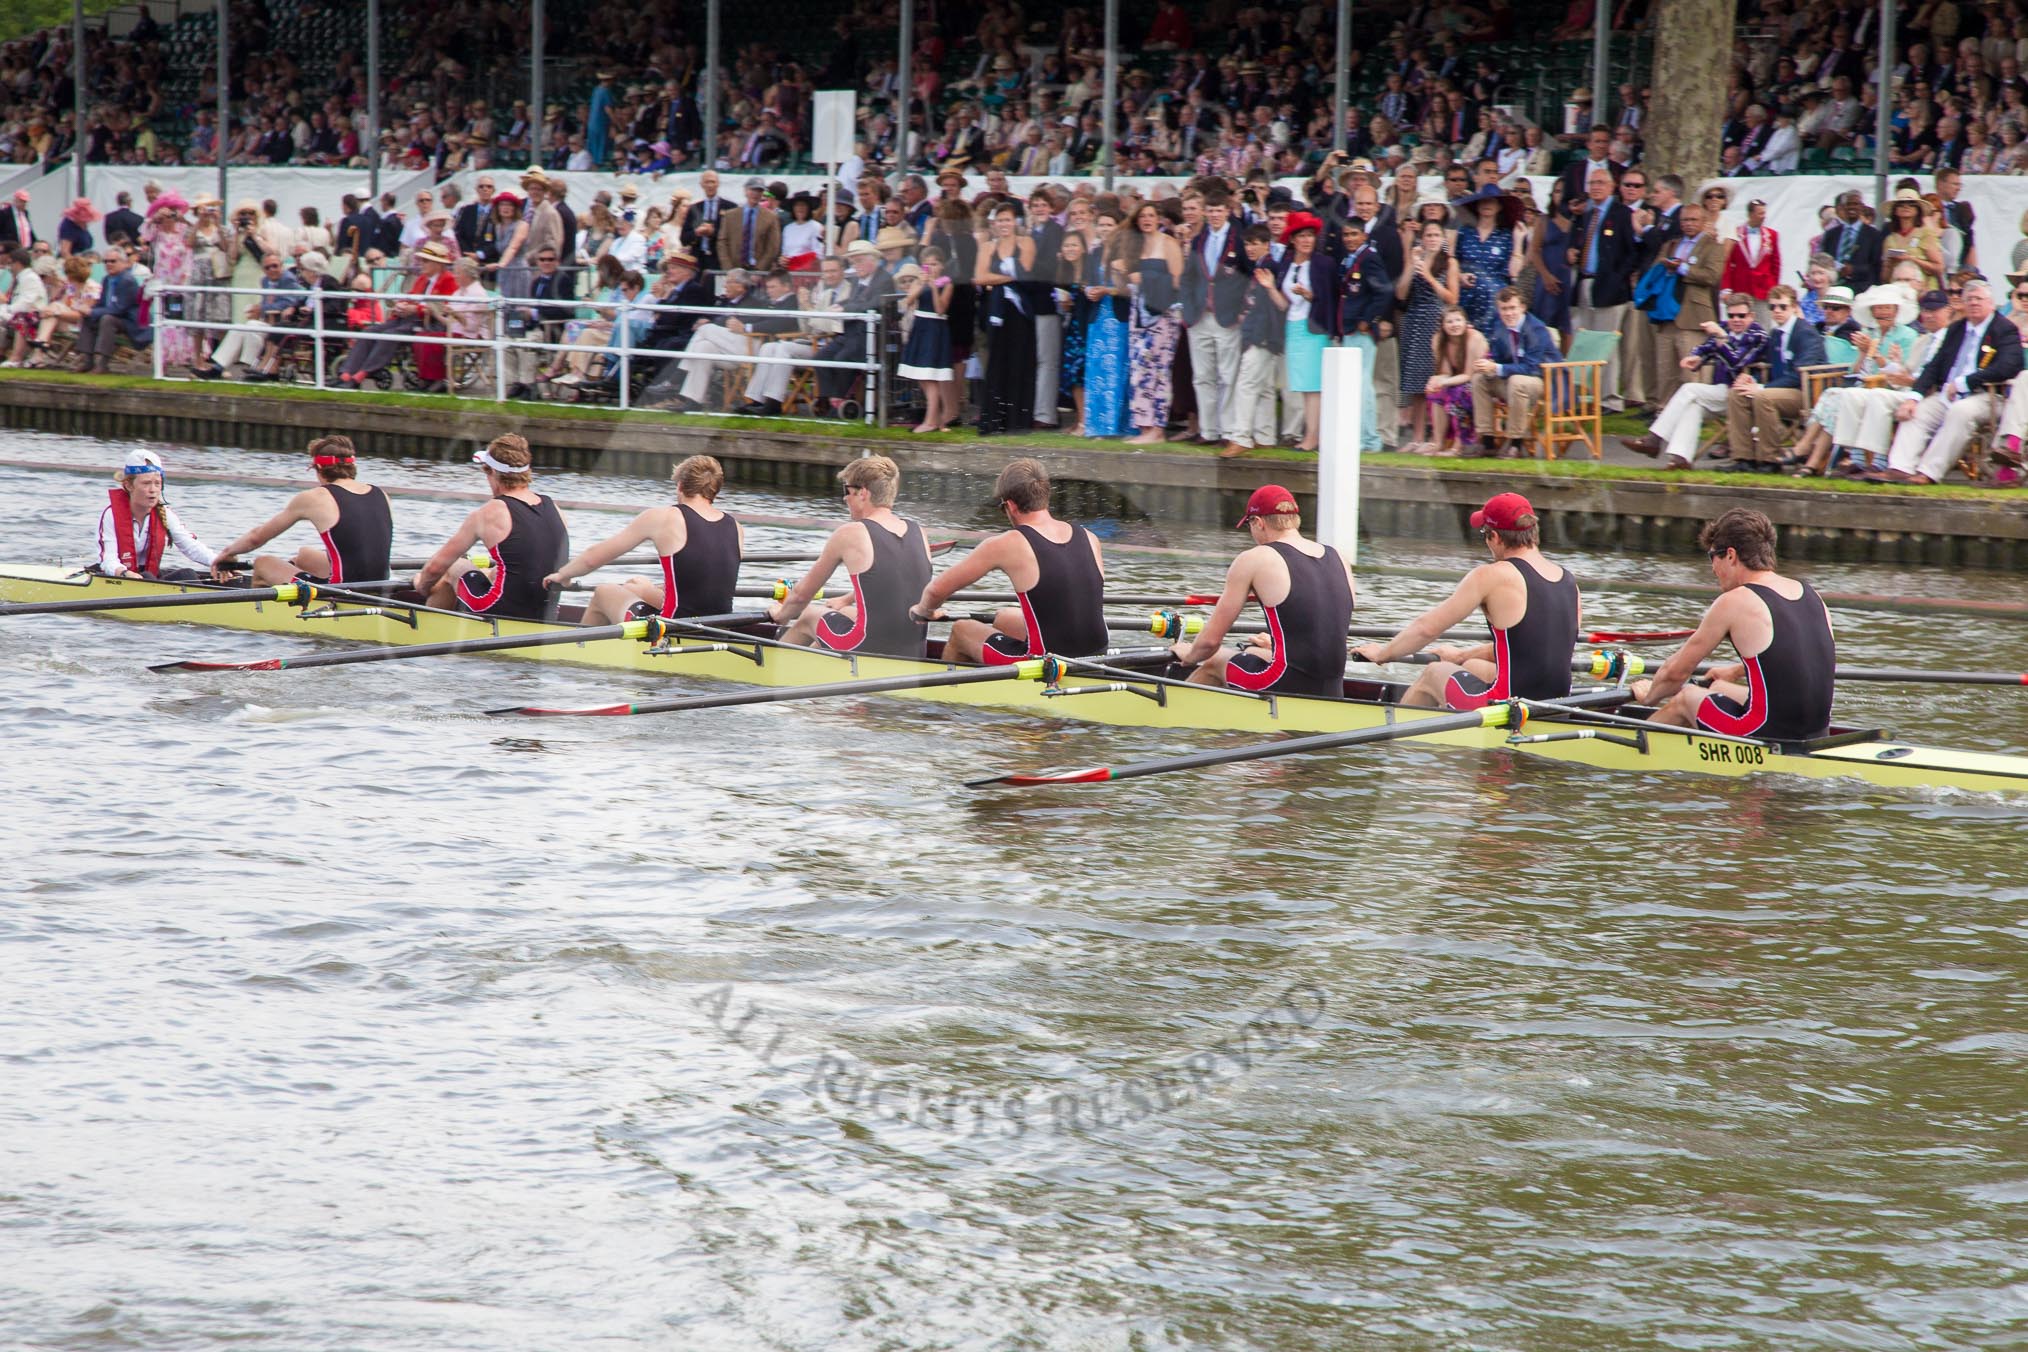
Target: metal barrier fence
x=511, y=322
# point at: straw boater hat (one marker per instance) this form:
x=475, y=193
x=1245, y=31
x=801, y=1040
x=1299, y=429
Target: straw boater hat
x=893, y=237
x=679, y=254
x=435, y=252
x=859, y=248
x=1893, y=293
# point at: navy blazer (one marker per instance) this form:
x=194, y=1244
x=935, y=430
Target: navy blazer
x=1862, y=268
x=1538, y=345
x=1996, y=369
x=1618, y=252
x=1806, y=348
x=1365, y=292
x=1227, y=275
x=1323, y=284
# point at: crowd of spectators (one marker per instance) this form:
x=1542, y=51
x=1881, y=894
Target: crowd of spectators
x=1440, y=242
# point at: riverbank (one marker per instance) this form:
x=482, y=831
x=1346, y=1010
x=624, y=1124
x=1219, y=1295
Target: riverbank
x=1586, y=503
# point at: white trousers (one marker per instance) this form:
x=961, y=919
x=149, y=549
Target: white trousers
x=1387, y=391
x=1931, y=442
x=239, y=347
x=770, y=381
x=1048, y=366
x=1250, y=418
x=708, y=338
x=1214, y=371
x=1682, y=421
x=2014, y=417
x=1866, y=420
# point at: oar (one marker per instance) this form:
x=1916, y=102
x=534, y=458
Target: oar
x=288, y=591
x=643, y=560
x=1031, y=669
x=1603, y=664
x=650, y=630
x=1492, y=716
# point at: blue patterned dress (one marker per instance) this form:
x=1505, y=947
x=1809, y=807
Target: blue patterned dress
x=1105, y=372
x=1486, y=259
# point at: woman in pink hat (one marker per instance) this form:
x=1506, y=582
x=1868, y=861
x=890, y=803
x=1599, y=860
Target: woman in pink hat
x=74, y=232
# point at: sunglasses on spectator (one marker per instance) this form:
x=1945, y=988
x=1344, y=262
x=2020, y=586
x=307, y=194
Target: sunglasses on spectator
x=1738, y=314
x=2021, y=294
x=1957, y=291
x=1633, y=183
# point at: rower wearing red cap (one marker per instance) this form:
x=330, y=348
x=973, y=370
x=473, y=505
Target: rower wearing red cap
x=1057, y=573
x=1530, y=604
x=1306, y=590
x=1781, y=631
x=353, y=521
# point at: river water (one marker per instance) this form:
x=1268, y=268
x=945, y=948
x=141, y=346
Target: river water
x=334, y=1016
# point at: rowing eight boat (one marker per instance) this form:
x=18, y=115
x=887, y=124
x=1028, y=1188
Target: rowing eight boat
x=1119, y=698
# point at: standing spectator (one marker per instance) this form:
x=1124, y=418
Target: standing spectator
x=1754, y=264
x=1215, y=282
x=1487, y=252
x=1150, y=262
x=1571, y=183
x=74, y=231
x=1428, y=288
x=508, y=235
x=171, y=272
x=1909, y=237
x=599, y=126
x=802, y=235
x=752, y=235
x=1958, y=215
x=927, y=358
x=1697, y=257
x=16, y=231
x=1076, y=253
x=123, y=223
x=1047, y=237
x=1549, y=243
x=1250, y=417
x=1853, y=244
x=473, y=224
x=1106, y=342
x=356, y=229
x=700, y=222
x=1006, y=261
x=1365, y=299
x=1308, y=283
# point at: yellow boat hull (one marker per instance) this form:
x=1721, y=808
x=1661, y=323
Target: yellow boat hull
x=1145, y=703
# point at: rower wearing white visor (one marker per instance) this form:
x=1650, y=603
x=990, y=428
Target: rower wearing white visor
x=520, y=528
x=136, y=527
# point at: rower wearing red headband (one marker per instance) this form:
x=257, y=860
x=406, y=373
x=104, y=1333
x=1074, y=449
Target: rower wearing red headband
x=1530, y=604
x=354, y=525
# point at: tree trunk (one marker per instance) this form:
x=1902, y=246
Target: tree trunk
x=1686, y=113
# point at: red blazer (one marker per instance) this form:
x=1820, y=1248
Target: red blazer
x=1743, y=276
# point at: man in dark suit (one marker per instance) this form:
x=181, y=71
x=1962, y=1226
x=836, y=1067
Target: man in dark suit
x=1854, y=244
x=1215, y=277
x=357, y=228
x=549, y=281
x=1757, y=413
x=700, y=222
x=1972, y=361
x=1597, y=142
x=1518, y=347
x=1602, y=252
x=123, y=222
x=118, y=312
x=16, y=231
x=1040, y=297
x=871, y=285
x=473, y=225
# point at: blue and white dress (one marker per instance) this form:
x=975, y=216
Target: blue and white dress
x=927, y=355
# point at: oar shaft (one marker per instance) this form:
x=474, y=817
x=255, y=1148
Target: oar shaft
x=1028, y=670
x=158, y=601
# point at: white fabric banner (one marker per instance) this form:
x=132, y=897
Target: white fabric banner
x=291, y=187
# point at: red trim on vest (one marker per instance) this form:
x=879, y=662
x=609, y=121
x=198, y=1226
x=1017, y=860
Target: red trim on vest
x=1239, y=678
x=846, y=640
x=123, y=525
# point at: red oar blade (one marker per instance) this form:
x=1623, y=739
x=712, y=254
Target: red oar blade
x=536, y=711
x=1098, y=774
x=264, y=664
x=1636, y=635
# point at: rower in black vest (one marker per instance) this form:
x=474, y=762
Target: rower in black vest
x=888, y=559
x=1530, y=604
x=1306, y=591
x=1783, y=685
x=698, y=544
x=353, y=521
x=1057, y=573
x=520, y=529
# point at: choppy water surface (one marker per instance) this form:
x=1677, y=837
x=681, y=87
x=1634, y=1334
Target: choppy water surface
x=334, y=1016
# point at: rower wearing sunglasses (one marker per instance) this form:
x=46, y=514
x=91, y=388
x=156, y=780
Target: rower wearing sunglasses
x=136, y=527
x=1531, y=605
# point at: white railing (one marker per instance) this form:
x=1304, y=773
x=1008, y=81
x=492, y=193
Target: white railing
x=621, y=350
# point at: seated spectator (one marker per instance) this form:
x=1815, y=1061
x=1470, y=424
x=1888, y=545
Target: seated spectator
x=367, y=358
x=117, y=315
x=469, y=314
x=870, y=285
x=1511, y=373
x=26, y=300
x=549, y=282
x=1958, y=392
x=1883, y=347
x=243, y=347
x=71, y=297
x=709, y=342
x=768, y=387
x=1729, y=352
x=1758, y=414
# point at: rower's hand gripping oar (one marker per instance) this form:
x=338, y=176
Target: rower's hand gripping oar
x=653, y=629
x=1512, y=714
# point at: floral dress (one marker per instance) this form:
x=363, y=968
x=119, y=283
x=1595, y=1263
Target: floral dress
x=172, y=269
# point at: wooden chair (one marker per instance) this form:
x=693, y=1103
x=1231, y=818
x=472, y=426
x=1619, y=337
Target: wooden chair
x=1573, y=395
x=1982, y=449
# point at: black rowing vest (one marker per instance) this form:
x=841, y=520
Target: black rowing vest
x=1533, y=656
x=1308, y=629
x=537, y=544
x=361, y=543
x=1790, y=683
x=882, y=596
x=699, y=578
x=1065, y=609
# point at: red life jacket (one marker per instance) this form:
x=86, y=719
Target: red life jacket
x=123, y=522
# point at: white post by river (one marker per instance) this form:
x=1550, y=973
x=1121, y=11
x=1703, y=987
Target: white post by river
x=1338, y=451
